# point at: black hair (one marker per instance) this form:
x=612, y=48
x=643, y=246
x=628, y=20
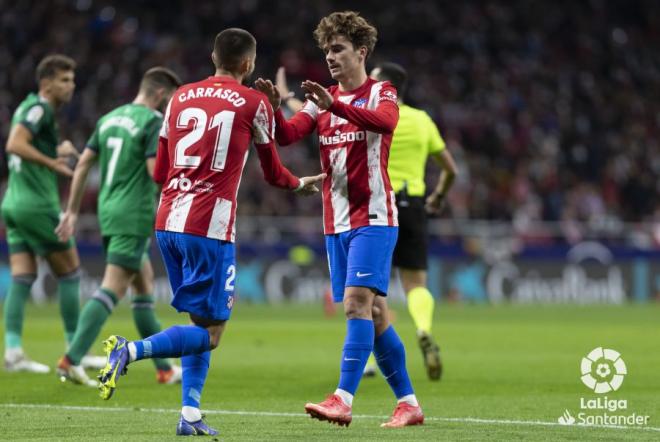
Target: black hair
x=395, y=74
x=231, y=47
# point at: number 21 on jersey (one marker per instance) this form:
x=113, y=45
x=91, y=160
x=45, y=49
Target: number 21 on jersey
x=222, y=120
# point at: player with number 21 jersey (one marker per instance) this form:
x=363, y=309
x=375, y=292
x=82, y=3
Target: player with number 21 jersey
x=202, y=150
x=201, y=174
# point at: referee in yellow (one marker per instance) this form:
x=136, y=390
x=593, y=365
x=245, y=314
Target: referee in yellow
x=416, y=138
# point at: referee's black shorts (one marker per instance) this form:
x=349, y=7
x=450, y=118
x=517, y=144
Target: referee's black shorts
x=412, y=244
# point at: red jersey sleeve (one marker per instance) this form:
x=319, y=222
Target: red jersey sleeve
x=300, y=125
x=383, y=119
x=274, y=171
x=161, y=169
x=162, y=162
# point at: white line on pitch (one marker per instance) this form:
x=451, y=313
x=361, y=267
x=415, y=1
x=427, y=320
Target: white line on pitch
x=473, y=420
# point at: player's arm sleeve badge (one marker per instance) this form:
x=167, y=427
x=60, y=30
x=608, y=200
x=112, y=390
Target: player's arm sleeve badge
x=33, y=118
x=262, y=125
x=388, y=94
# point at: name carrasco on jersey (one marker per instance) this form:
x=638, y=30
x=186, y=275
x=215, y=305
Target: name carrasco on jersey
x=210, y=92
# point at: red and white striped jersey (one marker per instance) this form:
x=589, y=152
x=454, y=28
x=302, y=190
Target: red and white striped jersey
x=202, y=150
x=354, y=139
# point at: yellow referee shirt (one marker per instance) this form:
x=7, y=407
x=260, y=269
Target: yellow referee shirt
x=415, y=138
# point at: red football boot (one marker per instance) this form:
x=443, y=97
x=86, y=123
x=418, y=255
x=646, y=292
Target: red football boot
x=404, y=415
x=333, y=410
x=172, y=376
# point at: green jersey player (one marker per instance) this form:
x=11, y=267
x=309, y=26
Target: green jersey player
x=31, y=206
x=124, y=143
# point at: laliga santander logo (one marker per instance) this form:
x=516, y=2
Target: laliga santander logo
x=603, y=370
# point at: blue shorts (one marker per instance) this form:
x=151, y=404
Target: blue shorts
x=201, y=271
x=361, y=257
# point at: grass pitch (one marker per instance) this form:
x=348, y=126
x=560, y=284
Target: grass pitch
x=510, y=372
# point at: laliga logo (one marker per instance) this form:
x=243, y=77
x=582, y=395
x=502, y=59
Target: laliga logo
x=603, y=370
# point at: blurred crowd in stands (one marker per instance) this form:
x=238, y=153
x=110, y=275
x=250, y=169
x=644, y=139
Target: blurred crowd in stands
x=552, y=109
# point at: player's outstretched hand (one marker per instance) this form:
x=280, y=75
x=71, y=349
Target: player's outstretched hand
x=268, y=88
x=67, y=149
x=434, y=203
x=309, y=184
x=67, y=225
x=318, y=94
x=60, y=165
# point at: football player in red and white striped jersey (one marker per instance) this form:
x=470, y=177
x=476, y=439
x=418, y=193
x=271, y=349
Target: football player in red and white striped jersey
x=354, y=121
x=203, y=147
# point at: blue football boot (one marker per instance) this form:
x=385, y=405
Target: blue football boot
x=116, y=348
x=198, y=428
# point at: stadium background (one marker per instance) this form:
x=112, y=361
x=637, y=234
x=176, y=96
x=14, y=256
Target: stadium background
x=553, y=116
x=552, y=110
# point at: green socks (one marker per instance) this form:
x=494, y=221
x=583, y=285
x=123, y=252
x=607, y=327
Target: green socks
x=147, y=323
x=68, y=289
x=94, y=314
x=97, y=310
x=420, y=306
x=14, y=308
x=68, y=292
